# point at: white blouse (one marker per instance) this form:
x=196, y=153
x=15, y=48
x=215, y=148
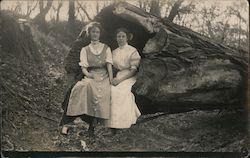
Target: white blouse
x=96, y=48
x=126, y=57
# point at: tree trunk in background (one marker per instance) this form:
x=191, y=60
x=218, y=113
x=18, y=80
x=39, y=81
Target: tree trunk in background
x=175, y=10
x=40, y=17
x=58, y=11
x=181, y=70
x=97, y=8
x=142, y=4
x=71, y=18
x=155, y=8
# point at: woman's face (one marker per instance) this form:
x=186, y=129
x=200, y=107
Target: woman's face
x=95, y=34
x=121, y=38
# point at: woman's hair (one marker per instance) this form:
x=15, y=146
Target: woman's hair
x=93, y=25
x=126, y=31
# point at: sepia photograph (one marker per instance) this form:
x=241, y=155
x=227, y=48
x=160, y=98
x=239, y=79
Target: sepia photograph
x=86, y=77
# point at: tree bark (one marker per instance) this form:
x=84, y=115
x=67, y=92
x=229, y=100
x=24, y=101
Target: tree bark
x=180, y=70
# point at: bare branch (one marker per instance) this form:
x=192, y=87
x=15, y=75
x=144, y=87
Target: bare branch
x=30, y=10
x=83, y=8
x=18, y=8
x=41, y=6
x=79, y=13
x=175, y=10
x=48, y=6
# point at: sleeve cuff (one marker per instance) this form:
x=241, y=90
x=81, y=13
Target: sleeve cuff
x=133, y=67
x=111, y=62
x=82, y=64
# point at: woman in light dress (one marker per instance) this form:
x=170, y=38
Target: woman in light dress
x=91, y=95
x=126, y=59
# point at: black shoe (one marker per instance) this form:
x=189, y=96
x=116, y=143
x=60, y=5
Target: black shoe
x=114, y=131
x=91, y=131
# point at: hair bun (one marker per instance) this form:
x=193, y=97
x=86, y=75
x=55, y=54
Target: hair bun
x=92, y=24
x=126, y=31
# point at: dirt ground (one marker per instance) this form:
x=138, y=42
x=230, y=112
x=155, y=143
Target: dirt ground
x=196, y=131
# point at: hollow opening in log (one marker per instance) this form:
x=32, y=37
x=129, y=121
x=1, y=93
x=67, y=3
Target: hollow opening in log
x=111, y=22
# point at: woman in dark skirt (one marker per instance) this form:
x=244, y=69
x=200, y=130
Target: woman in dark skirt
x=90, y=97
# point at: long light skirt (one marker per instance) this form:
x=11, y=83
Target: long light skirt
x=91, y=97
x=124, y=111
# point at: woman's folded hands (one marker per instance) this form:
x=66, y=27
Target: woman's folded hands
x=115, y=81
x=89, y=75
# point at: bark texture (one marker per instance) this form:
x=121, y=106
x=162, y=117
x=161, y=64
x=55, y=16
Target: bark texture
x=181, y=70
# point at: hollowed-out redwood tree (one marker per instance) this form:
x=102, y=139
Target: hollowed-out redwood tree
x=180, y=70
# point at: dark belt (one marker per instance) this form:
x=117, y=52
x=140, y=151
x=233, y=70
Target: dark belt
x=96, y=68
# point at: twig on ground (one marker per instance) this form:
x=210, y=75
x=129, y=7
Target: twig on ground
x=45, y=117
x=15, y=93
x=151, y=118
x=12, y=124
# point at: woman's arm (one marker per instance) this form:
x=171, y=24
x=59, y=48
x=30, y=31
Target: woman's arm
x=84, y=63
x=130, y=74
x=110, y=72
x=86, y=73
x=134, y=61
x=109, y=62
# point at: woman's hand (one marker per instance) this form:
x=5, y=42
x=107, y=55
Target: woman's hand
x=89, y=75
x=111, y=81
x=115, y=81
x=86, y=73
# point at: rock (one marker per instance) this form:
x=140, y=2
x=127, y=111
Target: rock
x=7, y=145
x=84, y=145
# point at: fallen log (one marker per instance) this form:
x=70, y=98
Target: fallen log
x=180, y=70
